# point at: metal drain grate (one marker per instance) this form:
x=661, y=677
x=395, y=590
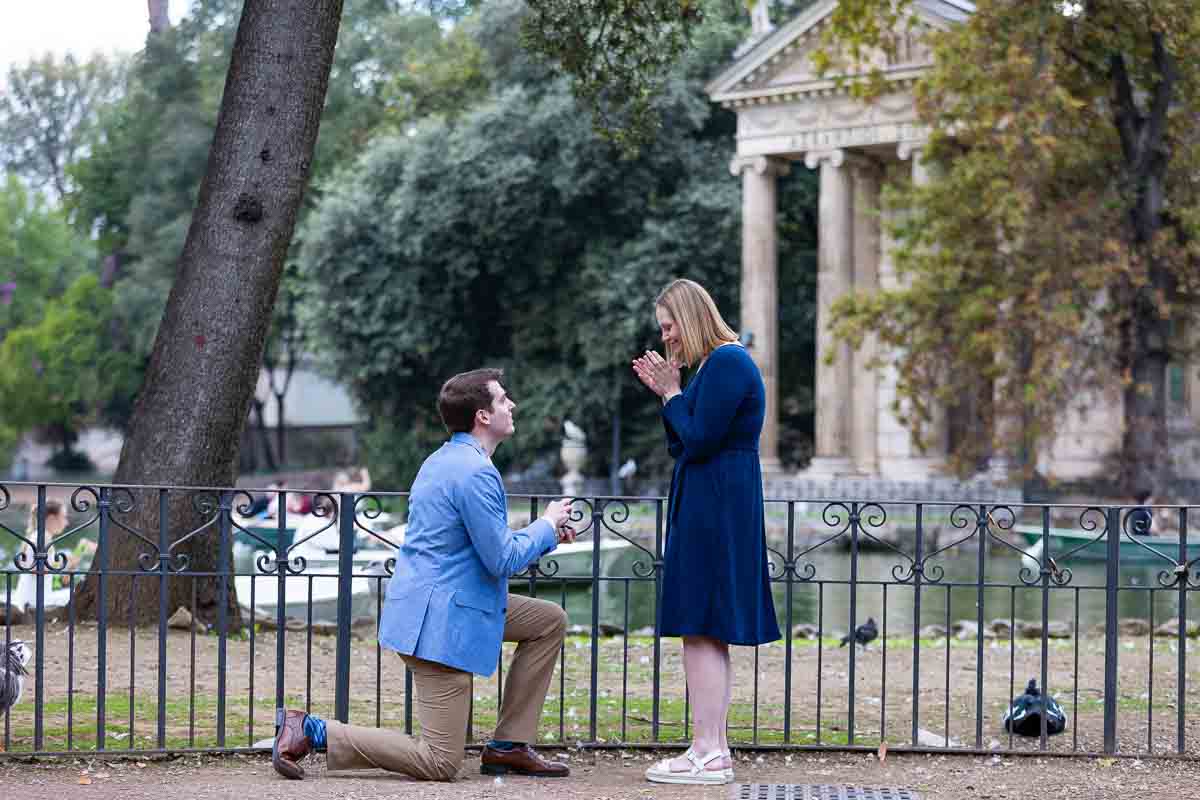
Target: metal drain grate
x=797, y=791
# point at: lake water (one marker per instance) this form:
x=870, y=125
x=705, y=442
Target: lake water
x=827, y=597
x=629, y=603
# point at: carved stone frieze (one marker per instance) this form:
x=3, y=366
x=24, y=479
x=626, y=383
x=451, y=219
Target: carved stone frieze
x=837, y=121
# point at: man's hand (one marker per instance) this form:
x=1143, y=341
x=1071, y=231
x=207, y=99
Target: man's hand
x=566, y=534
x=558, y=513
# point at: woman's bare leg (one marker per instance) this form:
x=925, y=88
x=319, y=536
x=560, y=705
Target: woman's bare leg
x=727, y=762
x=706, y=664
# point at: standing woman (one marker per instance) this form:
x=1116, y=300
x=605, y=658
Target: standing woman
x=716, y=589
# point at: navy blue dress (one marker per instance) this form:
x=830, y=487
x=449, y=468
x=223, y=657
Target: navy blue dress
x=715, y=580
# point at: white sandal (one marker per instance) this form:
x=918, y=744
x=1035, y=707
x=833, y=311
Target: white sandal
x=697, y=774
x=728, y=770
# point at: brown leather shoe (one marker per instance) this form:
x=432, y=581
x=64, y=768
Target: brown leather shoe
x=291, y=745
x=521, y=760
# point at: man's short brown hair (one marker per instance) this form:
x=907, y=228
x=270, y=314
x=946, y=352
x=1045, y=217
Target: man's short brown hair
x=463, y=395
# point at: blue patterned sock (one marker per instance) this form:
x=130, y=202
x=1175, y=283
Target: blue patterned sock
x=504, y=745
x=314, y=729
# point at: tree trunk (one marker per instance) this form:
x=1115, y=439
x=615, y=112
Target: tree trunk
x=280, y=430
x=110, y=269
x=188, y=421
x=159, y=21
x=1145, y=334
x=260, y=422
x=1145, y=438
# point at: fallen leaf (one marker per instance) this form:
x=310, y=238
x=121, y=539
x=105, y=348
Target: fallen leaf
x=84, y=780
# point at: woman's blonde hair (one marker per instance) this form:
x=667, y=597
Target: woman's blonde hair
x=701, y=327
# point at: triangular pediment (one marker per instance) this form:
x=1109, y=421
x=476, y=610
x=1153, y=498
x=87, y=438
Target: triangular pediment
x=782, y=59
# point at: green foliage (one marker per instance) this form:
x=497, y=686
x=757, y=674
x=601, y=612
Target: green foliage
x=40, y=254
x=138, y=184
x=46, y=111
x=68, y=461
x=516, y=236
x=9, y=439
x=618, y=54
x=147, y=153
x=460, y=168
x=1054, y=248
x=57, y=372
x=435, y=73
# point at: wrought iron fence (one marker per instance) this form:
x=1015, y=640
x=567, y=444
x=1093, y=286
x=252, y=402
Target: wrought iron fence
x=969, y=601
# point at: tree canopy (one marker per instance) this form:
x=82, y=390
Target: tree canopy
x=578, y=234
x=514, y=234
x=46, y=112
x=1052, y=257
x=57, y=374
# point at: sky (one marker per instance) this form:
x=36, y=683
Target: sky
x=82, y=27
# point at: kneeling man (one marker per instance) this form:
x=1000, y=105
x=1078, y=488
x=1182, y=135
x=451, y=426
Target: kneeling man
x=448, y=609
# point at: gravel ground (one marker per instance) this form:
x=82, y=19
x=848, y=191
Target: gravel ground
x=606, y=776
x=627, y=666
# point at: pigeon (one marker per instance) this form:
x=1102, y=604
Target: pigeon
x=1024, y=717
x=627, y=470
x=12, y=673
x=864, y=634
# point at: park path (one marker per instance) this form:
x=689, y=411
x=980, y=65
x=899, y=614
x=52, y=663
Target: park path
x=602, y=776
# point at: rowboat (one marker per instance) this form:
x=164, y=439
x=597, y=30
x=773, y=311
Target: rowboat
x=1063, y=541
x=317, y=542
x=574, y=559
x=269, y=536
x=316, y=586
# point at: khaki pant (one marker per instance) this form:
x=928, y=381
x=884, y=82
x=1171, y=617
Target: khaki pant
x=444, y=701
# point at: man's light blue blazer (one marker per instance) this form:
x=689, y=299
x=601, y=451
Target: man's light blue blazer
x=447, y=599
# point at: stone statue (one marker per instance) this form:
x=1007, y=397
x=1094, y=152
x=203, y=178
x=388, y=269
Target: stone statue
x=760, y=19
x=760, y=26
x=574, y=454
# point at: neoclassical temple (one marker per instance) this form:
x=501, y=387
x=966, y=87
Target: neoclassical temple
x=789, y=118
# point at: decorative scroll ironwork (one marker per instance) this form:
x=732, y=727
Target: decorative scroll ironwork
x=1134, y=526
x=832, y=518
x=1006, y=523
x=29, y=558
x=861, y=524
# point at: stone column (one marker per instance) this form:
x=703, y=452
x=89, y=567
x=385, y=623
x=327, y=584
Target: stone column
x=937, y=439
x=835, y=275
x=760, y=286
x=1191, y=374
x=899, y=456
x=866, y=175
x=1192, y=383
x=1007, y=432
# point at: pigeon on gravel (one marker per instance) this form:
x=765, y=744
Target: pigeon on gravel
x=1024, y=717
x=864, y=634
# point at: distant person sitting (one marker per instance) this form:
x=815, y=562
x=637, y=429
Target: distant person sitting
x=1140, y=520
x=60, y=562
x=357, y=483
x=299, y=503
x=262, y=505
x=56, y=524
x=344, y=483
